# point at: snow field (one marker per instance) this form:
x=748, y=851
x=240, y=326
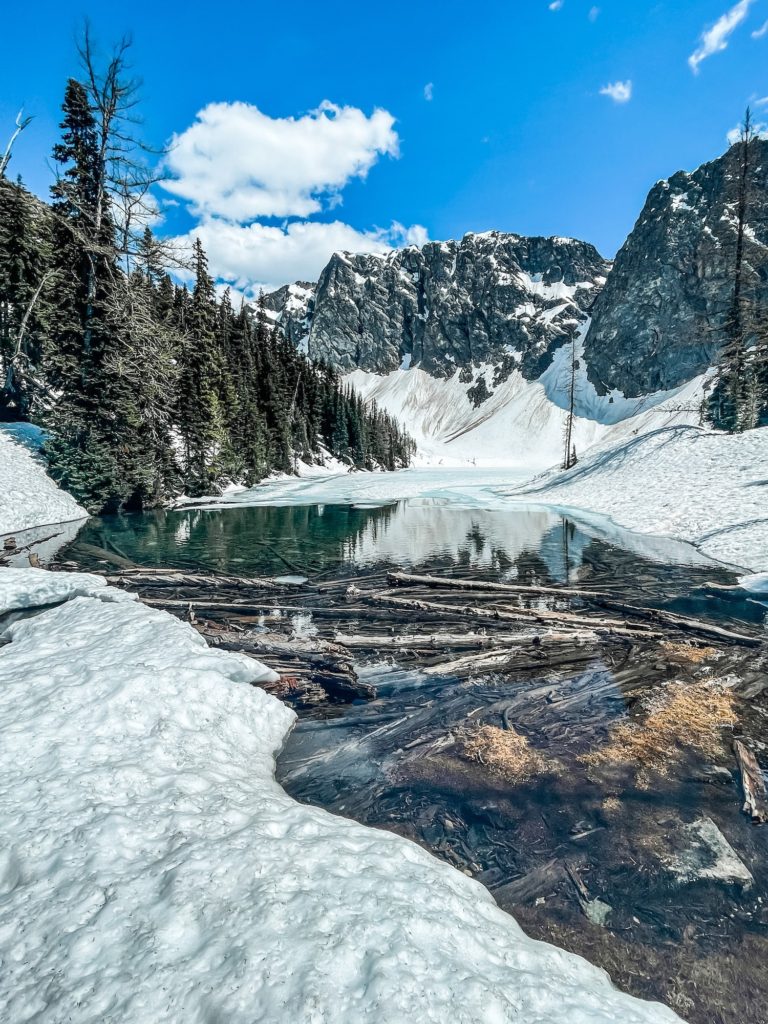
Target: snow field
x=153, y=871
x=708, y=488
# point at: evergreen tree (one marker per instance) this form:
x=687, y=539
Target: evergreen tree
x=738, y=394
x=24, y=275
x=148, y=389
x=201, y=420
x=83, y=452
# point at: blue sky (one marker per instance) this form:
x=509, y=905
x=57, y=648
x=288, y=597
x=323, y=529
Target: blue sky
x=517, y=134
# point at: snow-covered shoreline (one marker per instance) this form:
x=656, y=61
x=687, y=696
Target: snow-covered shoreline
x=705, y=488
x=29, y=498
x=153, y=871
x=674, y=485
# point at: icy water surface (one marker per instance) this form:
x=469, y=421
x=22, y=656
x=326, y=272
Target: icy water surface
x=658, y=877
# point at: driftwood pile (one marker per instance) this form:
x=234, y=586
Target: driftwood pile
x=450, y=626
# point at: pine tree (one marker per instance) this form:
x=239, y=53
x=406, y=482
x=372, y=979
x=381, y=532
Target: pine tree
x=146, y=388
x=735, y=402
x=83, y=453
x=201, y=420
x=24, y=276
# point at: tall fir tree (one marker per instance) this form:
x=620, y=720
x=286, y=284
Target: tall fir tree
x=24, y=274
x=201, y=417
x=83, y=450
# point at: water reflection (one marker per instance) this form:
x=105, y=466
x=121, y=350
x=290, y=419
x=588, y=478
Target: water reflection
x=319, y=538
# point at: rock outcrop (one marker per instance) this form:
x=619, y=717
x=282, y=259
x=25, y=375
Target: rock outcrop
x=659, y=320
x=489, y=298
x=650, y=322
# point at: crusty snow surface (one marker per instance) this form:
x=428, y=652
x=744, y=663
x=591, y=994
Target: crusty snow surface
x=28, y=496
x=682, y=481
x=153, y=871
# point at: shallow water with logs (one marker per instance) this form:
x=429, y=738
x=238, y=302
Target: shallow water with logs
x=591, y=784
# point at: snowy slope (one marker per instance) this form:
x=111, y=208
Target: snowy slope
x=28, y=496
x=522, y=423
x=682, y=481
x=152, y=871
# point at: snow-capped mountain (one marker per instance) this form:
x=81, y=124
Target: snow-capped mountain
x=490, y=298
x=488, y=327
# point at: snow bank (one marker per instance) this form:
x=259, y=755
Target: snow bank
x=28, y=496
x=36, y=588
x=707, y=488
x=153, y=871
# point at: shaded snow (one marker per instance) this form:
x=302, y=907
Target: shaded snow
x=756, y=583
x=153, y=871
x=28, y=496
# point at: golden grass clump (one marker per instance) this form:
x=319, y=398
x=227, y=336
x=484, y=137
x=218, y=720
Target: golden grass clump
x=504, y=752
x=679, y=718
x=688, y=652
x=611, y=805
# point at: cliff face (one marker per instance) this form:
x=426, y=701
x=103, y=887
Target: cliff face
x=652, y=321
x=659, y=320
x=490, y=298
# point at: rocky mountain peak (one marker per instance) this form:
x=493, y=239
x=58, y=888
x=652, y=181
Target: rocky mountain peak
x=651, y=321
x=495, y=298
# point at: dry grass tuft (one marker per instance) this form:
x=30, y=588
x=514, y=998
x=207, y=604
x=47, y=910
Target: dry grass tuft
x=679, y=718
x=504, y=752
x=689, y=653
x=611, y=805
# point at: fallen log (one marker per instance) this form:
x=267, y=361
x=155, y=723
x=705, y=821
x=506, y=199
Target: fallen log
x=104, y=554
x=546, y=618
x=404, y=579
x=247, y=611
x=154, y=577
x=503, y=661
x=537, y=882
x=322, y=665
x=314, y=652
x=679, y=622
x=431, y=642
x=344, y=687
x=753, y=784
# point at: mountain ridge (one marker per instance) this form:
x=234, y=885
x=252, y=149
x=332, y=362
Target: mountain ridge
x=651, y=320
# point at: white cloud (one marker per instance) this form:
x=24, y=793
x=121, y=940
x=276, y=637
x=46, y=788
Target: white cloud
x=758, y=129
x=594, y=13
x=760, y=32
x=429, y=91
x=239, y=163
x=250, y=256
x=620, y=92
x=715, y=39
x=556, y=5
x=762, y=102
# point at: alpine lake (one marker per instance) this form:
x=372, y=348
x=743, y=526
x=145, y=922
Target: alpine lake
x=588, y=778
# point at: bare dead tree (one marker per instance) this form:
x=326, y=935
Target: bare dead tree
x=569, y=448
x=21, y=123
